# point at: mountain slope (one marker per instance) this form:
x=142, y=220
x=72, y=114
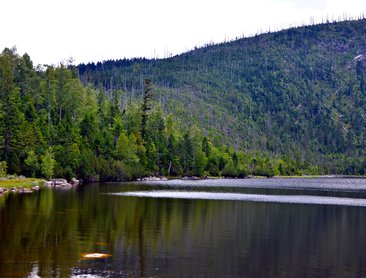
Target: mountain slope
x=299, y=91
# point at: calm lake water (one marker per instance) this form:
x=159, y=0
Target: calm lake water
x=209, y=228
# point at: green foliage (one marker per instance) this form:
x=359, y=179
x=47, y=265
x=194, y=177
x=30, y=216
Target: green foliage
x=48, y=164
x=229, y=169
x=88, y=168
x=146, y=105
x=3, y=168
x=126, y=149
x=32, y=163
x=120, y=172
x=200, y=162
x=11, y=116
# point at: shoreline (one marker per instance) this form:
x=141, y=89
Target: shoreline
x=19, y=184
x=23, y=184
x=194, y=178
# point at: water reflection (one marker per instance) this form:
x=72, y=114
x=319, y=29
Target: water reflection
x=46, y=233
x=292, y=199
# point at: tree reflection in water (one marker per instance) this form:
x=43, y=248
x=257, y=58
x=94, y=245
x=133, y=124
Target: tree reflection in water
x=47, y=232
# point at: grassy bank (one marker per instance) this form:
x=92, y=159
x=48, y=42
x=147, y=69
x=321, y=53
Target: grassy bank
x=20, y=182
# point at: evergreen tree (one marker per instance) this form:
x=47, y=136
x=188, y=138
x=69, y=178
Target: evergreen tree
x=229, y=169
x=11, y=118
x=146, y=106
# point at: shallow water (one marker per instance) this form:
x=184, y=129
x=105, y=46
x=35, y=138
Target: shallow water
x=210, y=228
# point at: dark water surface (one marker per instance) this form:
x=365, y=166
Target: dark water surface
x=210, y=228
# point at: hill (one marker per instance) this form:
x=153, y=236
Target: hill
x=53, y=125
x=299, y=92
x=284, y=103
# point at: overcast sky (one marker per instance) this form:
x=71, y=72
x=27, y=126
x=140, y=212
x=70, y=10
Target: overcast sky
x=51, y=31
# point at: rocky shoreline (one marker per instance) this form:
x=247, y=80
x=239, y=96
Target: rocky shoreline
x=62, y=183
x=25, y=185
x=19, y=189
x=18, y=184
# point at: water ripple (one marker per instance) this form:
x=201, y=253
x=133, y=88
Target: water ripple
x=291, y=199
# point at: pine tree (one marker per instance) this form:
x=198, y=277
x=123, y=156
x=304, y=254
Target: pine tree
x=146, y=106
x=11, y=118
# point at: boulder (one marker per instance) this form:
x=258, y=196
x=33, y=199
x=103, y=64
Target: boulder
x=75, y=181
x=59, y=181
x=49, y=183
x=65, y=185
x=153, y=178
x=25, y=190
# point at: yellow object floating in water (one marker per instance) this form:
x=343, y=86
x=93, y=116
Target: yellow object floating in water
x=95, y=255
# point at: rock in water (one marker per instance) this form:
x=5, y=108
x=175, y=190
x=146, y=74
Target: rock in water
x=75, y=181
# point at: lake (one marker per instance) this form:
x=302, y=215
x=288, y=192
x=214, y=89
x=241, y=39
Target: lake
x=297, y=227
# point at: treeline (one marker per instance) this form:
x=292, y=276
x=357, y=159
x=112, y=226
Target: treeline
x=53, y=125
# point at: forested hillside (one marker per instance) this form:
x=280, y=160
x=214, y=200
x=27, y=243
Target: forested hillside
x=51, y=125
x=284, y=103
x=299, y=92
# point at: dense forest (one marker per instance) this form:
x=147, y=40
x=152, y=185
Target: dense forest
x=284, y=103
x=53, y=125
x=299, y=92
